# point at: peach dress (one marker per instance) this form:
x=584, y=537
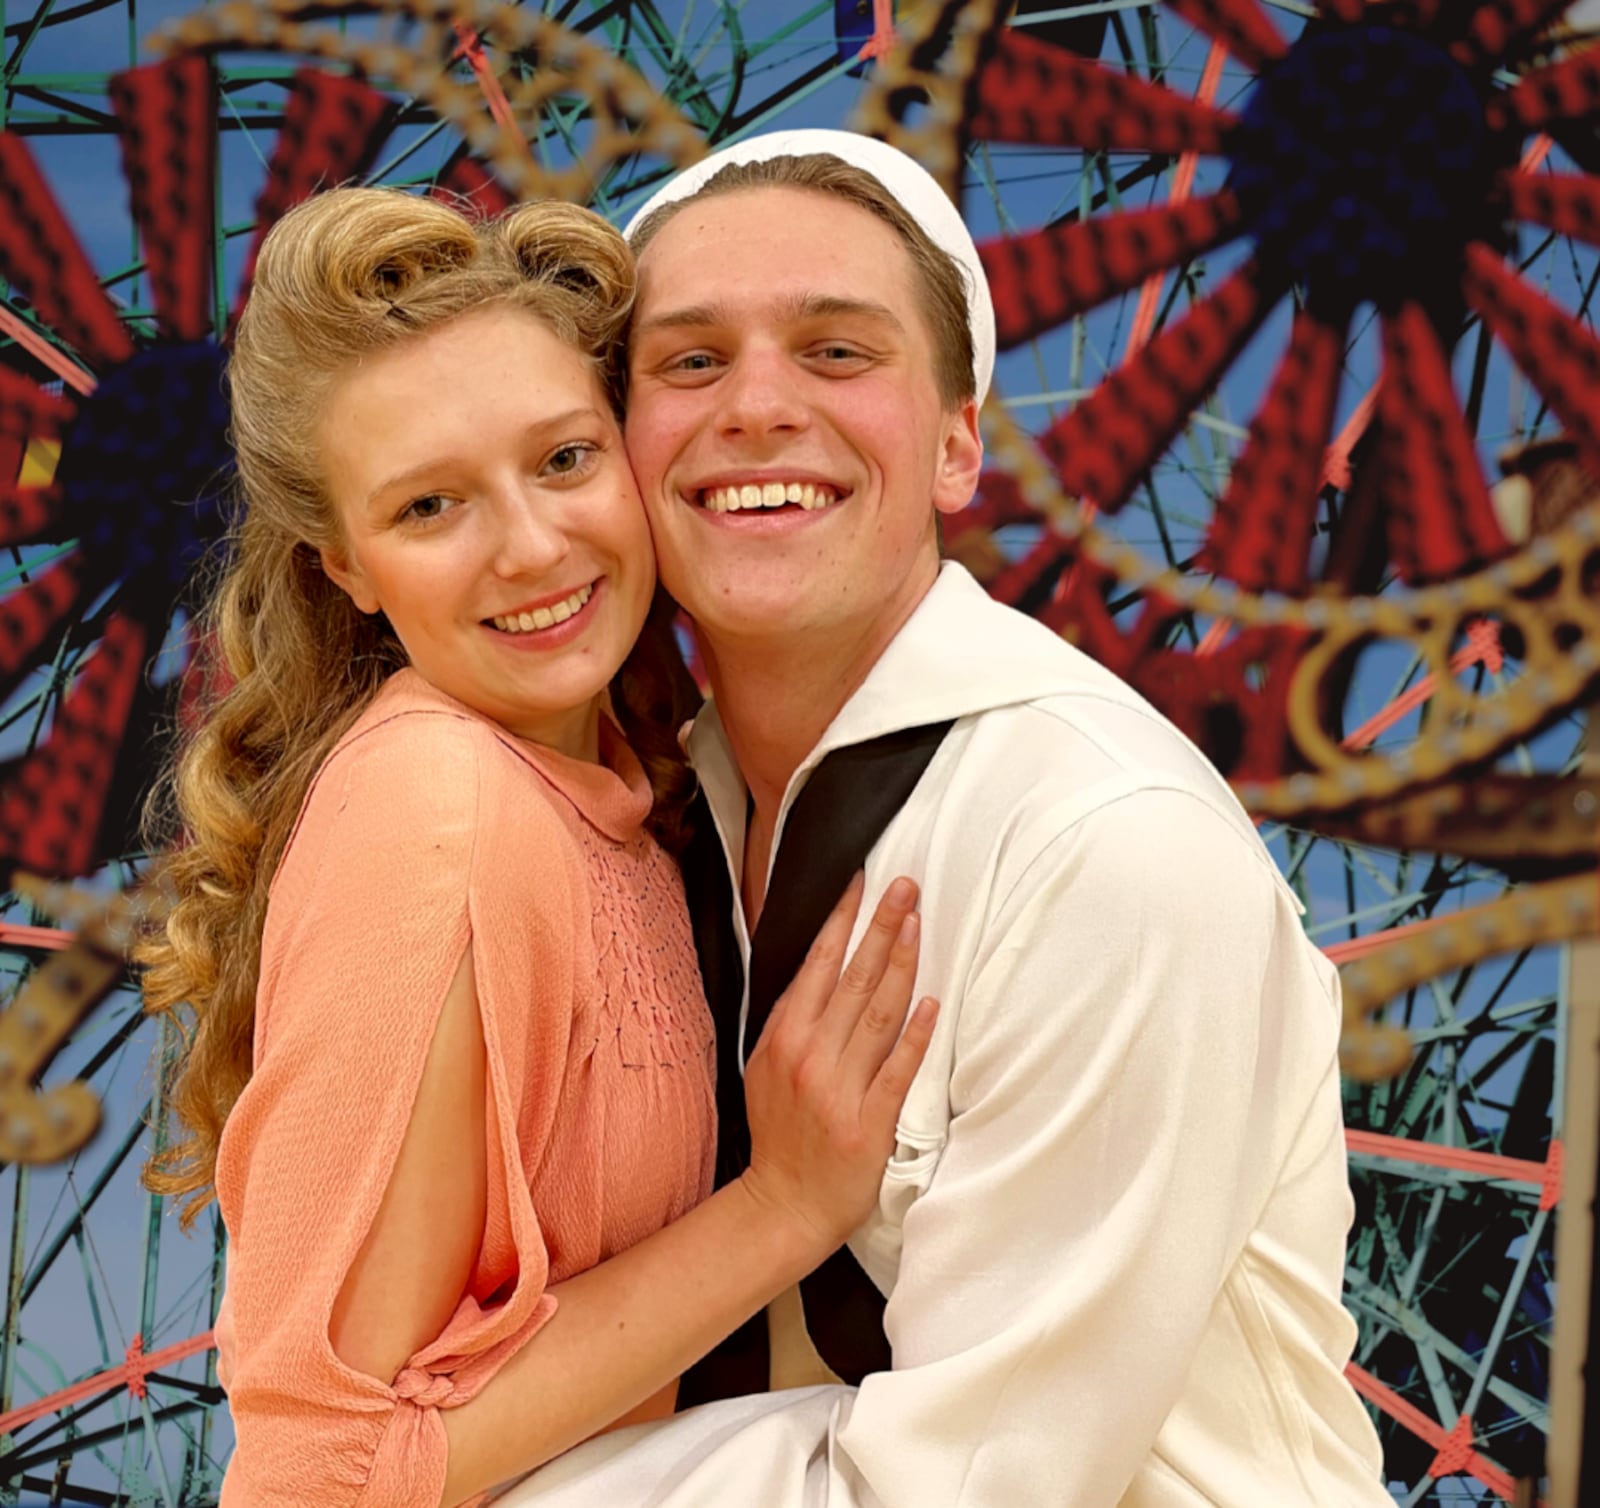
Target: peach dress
x=428, y=831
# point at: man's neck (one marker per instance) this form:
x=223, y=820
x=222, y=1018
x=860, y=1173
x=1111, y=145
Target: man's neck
x=774, y=711
x=775, y=708
x=776, y=701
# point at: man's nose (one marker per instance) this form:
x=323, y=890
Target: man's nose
x=760, y=395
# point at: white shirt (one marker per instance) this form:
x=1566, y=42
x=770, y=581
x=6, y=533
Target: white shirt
x=1112, y=1233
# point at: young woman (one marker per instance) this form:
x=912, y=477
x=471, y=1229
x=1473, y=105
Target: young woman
x=449, y=1073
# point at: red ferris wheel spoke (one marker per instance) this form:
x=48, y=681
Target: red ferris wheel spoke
x=27, y=412
x=1050, y=275
x=1560, y=357
x=999, y=502
x=1563, y=91
x=1499, y=24
x=1260, y=534
x=1081, y=610
x=332, y=129
x=1247, y=682
x=40, y=254
x=1039, y=565
x=1562, y=202
x=29, y=614
x=168, y=112
x=1240, y=25
x=1034, y=94
x=1441, y=522
x=54, y=802
x=27, y=514
x=1115, y=436
x=464, y=177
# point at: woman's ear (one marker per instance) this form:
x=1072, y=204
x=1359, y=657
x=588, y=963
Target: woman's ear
x=349, y=579
x=960, y=459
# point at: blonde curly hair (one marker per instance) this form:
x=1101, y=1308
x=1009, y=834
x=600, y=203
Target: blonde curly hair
x=347, y=273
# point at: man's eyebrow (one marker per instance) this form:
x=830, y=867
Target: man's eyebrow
x=696, y=316
x=801, y=307
x=824, y=305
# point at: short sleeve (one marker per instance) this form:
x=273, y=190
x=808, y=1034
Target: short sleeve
x=372, y=909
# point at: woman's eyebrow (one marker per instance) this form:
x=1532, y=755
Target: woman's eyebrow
x=436, y=464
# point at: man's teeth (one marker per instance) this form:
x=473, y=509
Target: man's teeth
x=768, y=495
x=544, y=617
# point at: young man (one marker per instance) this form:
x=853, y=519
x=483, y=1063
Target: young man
x=1111, y=1238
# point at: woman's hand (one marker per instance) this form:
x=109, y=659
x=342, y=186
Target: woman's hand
x=824, y=1086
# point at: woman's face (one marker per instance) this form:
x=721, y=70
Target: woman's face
x=488, y=510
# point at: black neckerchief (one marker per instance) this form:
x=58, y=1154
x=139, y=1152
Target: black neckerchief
x=851, y=797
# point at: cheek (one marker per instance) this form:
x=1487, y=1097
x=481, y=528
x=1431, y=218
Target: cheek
x=624, y=532
x=656, y=428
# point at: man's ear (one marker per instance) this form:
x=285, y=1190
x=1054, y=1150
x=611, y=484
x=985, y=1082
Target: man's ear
x=349, y=579
x=960, y=459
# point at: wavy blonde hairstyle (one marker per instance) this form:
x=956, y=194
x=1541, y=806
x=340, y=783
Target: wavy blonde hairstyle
x=346, y=274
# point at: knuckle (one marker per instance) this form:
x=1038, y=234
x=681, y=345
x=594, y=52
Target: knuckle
x=785, y=1048
x=880, y=1018
x=887, y=918
x=859, y=976
x=812, y=1080
x=825, y=951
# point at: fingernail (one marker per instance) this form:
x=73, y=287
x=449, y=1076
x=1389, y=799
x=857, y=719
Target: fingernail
x=902, y=892
x=908, y=930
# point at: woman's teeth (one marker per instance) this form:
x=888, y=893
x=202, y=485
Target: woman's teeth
x=544, y=617
x=768, y=495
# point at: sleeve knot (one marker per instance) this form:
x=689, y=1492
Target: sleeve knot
x=425, y=1389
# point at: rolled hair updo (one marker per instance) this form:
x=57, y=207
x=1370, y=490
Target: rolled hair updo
x=347, y=274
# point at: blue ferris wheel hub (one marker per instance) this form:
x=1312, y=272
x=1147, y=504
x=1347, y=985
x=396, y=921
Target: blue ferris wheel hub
x=1364, y=163
x=145, y=463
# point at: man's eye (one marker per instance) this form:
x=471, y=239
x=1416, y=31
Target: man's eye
x=696, y=361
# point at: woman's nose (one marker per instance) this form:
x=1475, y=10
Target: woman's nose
x=529, y=539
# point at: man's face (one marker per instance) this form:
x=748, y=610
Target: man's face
x=784, y=421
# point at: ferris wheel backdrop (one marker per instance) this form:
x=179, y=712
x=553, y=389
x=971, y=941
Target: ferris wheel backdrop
x=1296, y=425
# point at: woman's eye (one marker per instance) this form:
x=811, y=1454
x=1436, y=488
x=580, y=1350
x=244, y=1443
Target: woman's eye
x=569, y=460
x=425, y=509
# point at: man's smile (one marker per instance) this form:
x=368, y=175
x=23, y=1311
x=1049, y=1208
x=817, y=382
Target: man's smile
x=766, y=492
x=804, y=495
